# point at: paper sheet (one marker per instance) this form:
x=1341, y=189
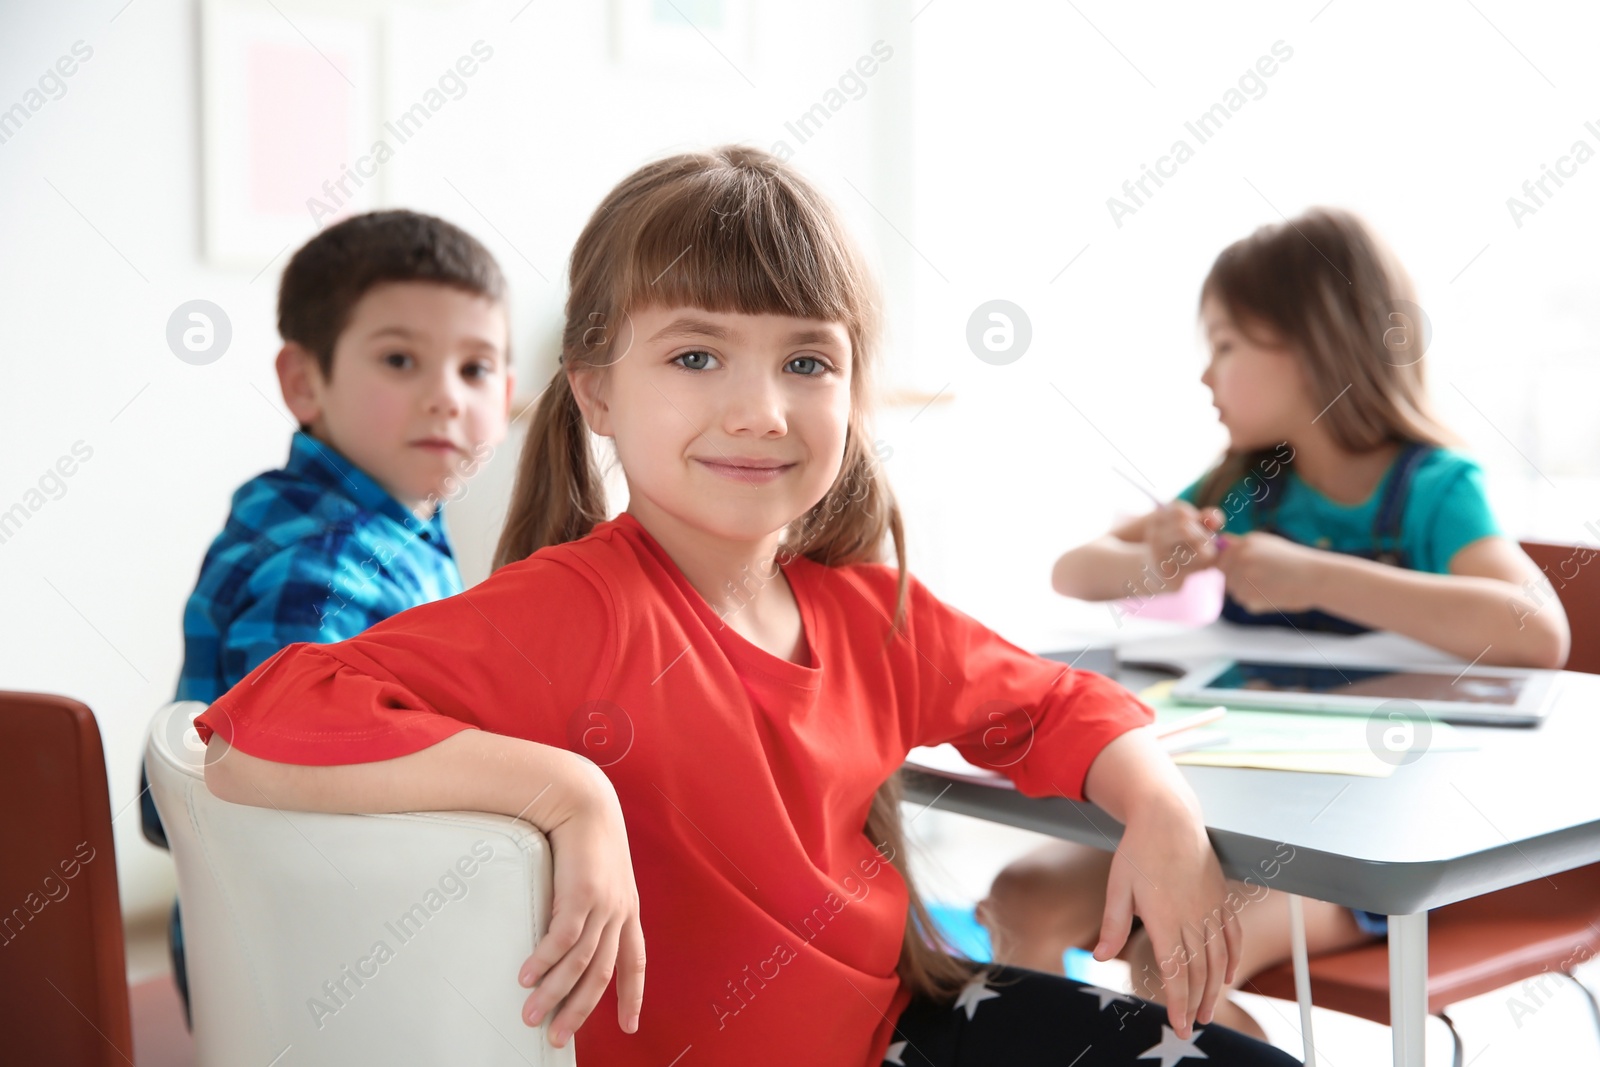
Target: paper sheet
x=1313, y=742
x=1308, y=742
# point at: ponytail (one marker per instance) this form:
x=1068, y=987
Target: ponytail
x=559, y=494
x=929, y=966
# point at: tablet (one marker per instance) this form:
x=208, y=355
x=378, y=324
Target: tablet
x=1474, y=695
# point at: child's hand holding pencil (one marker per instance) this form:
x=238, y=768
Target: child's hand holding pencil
x=1180, y=539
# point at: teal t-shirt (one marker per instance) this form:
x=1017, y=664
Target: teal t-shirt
x=1445, y=511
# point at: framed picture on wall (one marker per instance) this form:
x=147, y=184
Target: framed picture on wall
x=657, y=35
x=290, y=125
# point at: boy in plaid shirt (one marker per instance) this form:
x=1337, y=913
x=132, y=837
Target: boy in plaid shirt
x=396, y=365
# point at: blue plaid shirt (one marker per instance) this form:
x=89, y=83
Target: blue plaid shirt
x=318, y=552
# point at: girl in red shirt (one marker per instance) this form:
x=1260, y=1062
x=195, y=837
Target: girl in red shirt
x=703, y=701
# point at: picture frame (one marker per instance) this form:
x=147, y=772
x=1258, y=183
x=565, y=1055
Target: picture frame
x=290, y=109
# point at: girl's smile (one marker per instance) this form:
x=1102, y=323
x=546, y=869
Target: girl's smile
x=751, y=471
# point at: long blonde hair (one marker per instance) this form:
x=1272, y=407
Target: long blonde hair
x=732, y=229
x=1324, y=286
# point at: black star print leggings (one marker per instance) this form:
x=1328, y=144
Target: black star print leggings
x=1008, y=1017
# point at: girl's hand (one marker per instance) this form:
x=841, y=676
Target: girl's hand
x=1179, y=540
x=594, y=922
x=1165, y=872
x=1265, y=572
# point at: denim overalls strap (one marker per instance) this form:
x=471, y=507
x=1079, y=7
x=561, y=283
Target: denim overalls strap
x=1385, y=548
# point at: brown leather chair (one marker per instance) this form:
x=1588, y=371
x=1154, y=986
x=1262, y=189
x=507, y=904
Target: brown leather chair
x=66, y=984
x=1574, y=571
x=1548, y=926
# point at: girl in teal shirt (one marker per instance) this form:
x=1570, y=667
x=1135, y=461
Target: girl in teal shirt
x=1338, y=506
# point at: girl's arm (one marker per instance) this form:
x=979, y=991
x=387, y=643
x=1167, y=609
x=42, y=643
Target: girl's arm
x=1151, y=554
x=1495, y=606
x=1101, y=569
x=1057, y=731
x=595, y=925
x=1165, y=871
x=472, y=770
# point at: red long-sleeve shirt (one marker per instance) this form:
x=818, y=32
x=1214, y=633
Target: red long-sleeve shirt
x=773, y=924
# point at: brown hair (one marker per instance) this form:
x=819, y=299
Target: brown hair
x=330, y=273
x=1324, y=286
x=732, y=229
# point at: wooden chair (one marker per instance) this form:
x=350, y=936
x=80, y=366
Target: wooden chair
x=1548, y=926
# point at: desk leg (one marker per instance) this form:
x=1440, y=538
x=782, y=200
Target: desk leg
x=1302, y=975
x=1408, y=986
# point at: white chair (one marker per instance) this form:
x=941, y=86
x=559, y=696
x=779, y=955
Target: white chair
x=349, y=938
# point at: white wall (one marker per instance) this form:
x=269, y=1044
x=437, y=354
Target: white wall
x=976, y=166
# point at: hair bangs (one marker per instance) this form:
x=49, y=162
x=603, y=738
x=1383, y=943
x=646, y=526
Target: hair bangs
x=747, y=242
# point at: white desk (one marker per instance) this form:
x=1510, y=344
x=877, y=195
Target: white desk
x=1450, y=826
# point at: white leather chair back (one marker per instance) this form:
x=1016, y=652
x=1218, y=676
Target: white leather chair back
x=313, y=938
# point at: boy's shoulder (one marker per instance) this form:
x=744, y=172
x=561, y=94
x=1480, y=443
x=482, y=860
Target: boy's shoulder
x=284, y=504
x=279, y=511
x=281, y=522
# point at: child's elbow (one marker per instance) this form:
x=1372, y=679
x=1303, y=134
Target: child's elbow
x=1056, y=578
x=1548, y=643
x=1063, y=577
x=1556, y=648
x=1058, y=584
x=219, y=783
x=226, y=778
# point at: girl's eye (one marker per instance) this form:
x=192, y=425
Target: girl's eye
x=397, y=359
x=694, y=360
x=817, y=367
x=477, y=370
